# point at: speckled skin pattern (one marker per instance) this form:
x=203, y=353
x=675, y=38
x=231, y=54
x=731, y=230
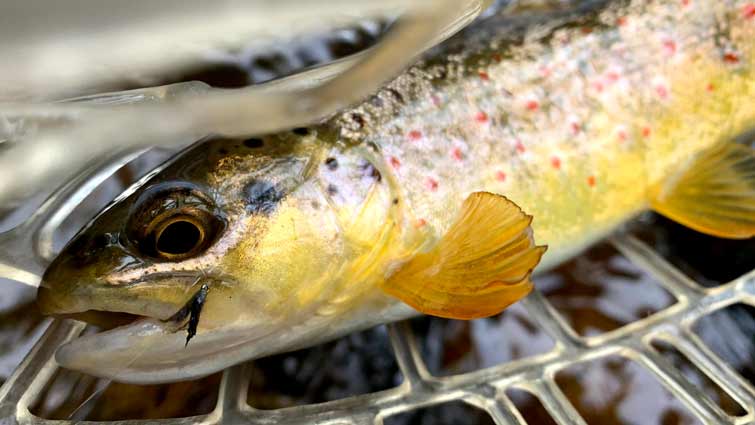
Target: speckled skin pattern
x=571, y=115
x=574, y=115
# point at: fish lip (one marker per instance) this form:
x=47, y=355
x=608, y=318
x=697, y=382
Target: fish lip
x=123, y=281
x=104, y=320
x=89, y=353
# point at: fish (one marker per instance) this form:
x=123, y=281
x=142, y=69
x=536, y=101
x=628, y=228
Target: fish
x=437, y=195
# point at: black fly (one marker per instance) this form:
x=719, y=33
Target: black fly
x=195, y=309
x=192, y=309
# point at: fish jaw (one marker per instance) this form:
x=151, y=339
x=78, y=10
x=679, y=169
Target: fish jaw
x=71, y=286
x=152, y=351
x=149, y=351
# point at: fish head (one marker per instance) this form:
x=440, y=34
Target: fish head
x=249, y=240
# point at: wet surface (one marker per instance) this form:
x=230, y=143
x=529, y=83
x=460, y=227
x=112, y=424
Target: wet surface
x=530, y=407
x=72, y=395
x=597, y=292
x=452, y=347
x=453, y=413
x=356, y=364
x=708, y=260
x=20, y=326
x=699, y=379
x=730, y=334
x=601, y=290
x=614, y=390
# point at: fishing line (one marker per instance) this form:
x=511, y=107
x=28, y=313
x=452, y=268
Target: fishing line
x=95, y=396
x=192, y=309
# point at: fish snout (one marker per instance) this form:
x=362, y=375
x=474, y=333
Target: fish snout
x=77, y=279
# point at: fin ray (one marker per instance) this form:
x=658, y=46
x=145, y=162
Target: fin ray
x=715, y=194
x=479, y=267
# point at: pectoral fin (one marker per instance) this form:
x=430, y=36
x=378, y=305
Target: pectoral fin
x=715, y=194
x=480, y=266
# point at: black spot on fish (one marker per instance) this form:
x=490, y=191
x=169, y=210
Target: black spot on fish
x=395, y=201
x=370, y=170
x=331, y=163
x=375, y=174
x=395, y=93
x=332, y=190
x=441, y=73
x=223, y=151
x=261, y=196
x=301, y=131
x=358, y=119
x=254, y=143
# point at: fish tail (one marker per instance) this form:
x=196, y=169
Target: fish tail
x=714, y=193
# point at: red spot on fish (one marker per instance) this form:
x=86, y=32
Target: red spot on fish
x=575, y=128
x=591, y=181
x=431, y=184
x=598, y=86
x=545, y=71
x=646, y=132
x=586, y=30
x=613, y=76
x=669, y=46
x=420, y=223
x=621, y=21
x=500, y=176
x=456, y=154
x=496, y=57
x=748, y=11
x=532, y=105
x=415, y=135
x=395, y=163
x=556, y=162
x=731, y=58
x=622, y=136
x=519, y=146
x=685, y=2
x=662, y=91
x=484, y=76
x=710, y=87
x=481, y=117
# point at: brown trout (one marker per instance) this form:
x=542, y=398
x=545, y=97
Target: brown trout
x=410, y=202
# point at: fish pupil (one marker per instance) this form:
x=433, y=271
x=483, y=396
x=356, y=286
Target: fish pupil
x=179, y=237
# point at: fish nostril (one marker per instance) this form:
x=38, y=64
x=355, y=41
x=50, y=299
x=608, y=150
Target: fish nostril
x=84, y=249
x=103, y=240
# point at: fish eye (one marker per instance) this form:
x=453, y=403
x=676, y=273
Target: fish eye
x=175, y=226
x=178, y=236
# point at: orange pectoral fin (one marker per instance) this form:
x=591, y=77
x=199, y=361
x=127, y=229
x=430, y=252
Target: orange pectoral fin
x=480, y=266
x=715, y=194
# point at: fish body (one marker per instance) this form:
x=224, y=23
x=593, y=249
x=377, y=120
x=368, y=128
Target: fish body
x=582, y=118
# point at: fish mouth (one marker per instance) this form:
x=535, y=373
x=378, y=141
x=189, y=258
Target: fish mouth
x=186, y=317
x=103, y=320
x=143, y=349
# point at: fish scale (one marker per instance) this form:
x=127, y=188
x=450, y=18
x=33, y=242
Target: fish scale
x=568, y=123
